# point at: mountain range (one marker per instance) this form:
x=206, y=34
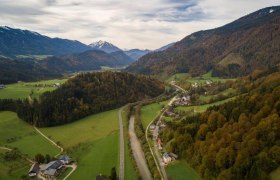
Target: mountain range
x=22, y=42
x=238, y=48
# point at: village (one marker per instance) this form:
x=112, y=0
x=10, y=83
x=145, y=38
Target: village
x=52, y=169
x=179, y=100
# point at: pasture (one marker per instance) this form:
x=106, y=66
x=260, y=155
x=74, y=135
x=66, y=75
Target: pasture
x=180, y=170
x=93, y=142
x=202, y=108
x=25, y=89
x=150, y=111
x=16, y=133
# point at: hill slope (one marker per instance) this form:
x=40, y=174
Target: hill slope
x=135, y=54
x=87, y=94
x=253, y=38
x=88, y=60
x=17, y=42
x=15, y=70
x=236, y=140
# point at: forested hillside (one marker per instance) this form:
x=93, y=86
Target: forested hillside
x=85, y=61
x=12, y=71
x=236, y=49
x=237, y=140
x=83, y=95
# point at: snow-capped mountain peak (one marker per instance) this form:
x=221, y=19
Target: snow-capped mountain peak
x=104, y=46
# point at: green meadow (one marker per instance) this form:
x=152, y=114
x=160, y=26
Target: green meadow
x=16, y=133
x=26, y=89
x=150, y=111
x=13, y=169
x=93, y=142
x=202, y=108
x=206, y=77
x=180, y=170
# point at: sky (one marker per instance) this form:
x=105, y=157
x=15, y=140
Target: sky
x=144, y=24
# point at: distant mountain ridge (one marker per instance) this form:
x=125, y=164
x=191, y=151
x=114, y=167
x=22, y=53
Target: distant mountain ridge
x=236, y=49
x=104, y=46
x=85, y=61
x=17, y=42
x=135, y=54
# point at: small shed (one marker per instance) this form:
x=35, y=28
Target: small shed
x=34, y=170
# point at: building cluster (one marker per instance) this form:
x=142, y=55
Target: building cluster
x=185, y=100
x=2, y=86
x=52, y=169
x=169, y=157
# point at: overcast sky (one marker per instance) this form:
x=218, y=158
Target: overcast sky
x=125, y=23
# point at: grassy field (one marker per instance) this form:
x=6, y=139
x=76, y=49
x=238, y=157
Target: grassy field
x=180, y=170
x=275, y=175
x=149, y=112
x=16, y=133
x=38, y=57
x=177, y=77
x=92, y=141
x=65, y=173
x=13, y=169
x=206, y=77
x=224, y=93
x=24, y=89
x=202, y=108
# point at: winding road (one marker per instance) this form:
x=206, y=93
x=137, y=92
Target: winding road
x=121, y=173
x=138, y=153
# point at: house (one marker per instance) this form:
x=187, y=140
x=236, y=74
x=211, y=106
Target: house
x=195, y=85
x=166, y=158
x=51, y=169
x=65, y=159
x=162, y=125
x=56, y=85
x=173, y=156
x=2, y=86
x=209, y=82
x=152, y=127
x=34, y=170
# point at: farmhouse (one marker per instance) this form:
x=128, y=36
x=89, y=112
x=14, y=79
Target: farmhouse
x=34, y=170
x=166, y=158
x=65, y=159
x=2, y=86
x=51, y=169
x=56, y=85
x=152, y=127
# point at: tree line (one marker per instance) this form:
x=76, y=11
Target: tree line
x=85, y=94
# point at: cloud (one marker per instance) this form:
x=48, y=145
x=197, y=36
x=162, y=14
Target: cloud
x=128, y=24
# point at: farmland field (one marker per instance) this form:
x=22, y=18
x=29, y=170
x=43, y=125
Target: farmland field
x=17, y=133
x=180, y=170
x=149, y=112
x=13, y=169
x=204, y=107
x=206, y=77
x=25, y=89
x=93, y=142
